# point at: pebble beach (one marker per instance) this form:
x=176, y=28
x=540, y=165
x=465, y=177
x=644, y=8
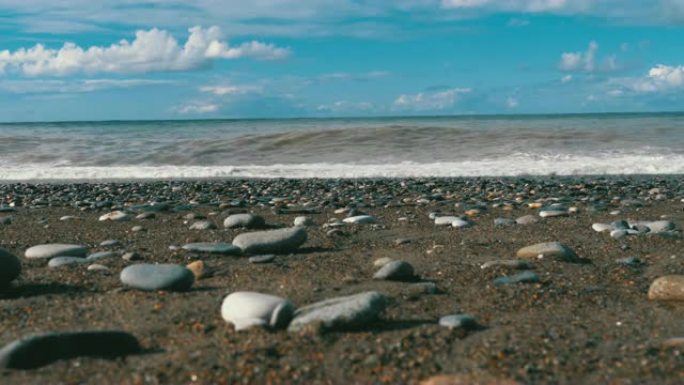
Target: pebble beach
x=512, y=280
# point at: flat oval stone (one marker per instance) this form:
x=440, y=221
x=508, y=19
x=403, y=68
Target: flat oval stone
x=52, y=250
x=264, y=258
x=660, y=226
x=203, y=225
x=460, y=223
x=445, y=220
x=549, y=213
x=10, y=267
x=249, y=221
x=341, y=313
x=667, y=288
x=64, y=261
x=395, y=271
x=382, y=261
x=458, y=321
x=279, y=241
x=555, y=250
x=601, y=227
x=101, y=255
x=618, y=233
x=213, y=248
x=527, y=220
x=248, y=309
x=110, y=243
x=360, y=220
x=524, y=277
x=157, y=277
x=39, y=350
x=117, y=216
x=507, y=263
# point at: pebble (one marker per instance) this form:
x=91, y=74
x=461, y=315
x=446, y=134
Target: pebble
x=110, y=243
x=131, y=256
x=420, y=288
x=117, y=216
x=524, y=277
x=279, y=241
x=458, y=321
x=263, y=258
x=630, y=261
x=395, y=271
x=203, y=225
x=213, y=248
x=98, y=267
x=618, y=234
x=198, y=268
x=146, y=215
x=504, y=222
x=101, y=255
x=550, y=213
x=52, y=250
x=246, y=309
x=40, y=350
x=382, y=261
x=68, y=218
x=673, y=343
x=660, y=226
x=10, y=267
x=157, y=277
x=460, y=223
x=667, y=288
x=401, y=241
x=555, y=250
x=64, y=261
x=445, y=220
x=341, y=313
x=136, y=229
x=601, y=227
x=359, y=220
x=248, y=221
x=619, y=225
x=527, y=220
x=303, y=221
x=507, y=263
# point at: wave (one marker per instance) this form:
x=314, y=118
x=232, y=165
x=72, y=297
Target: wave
x=510, y=166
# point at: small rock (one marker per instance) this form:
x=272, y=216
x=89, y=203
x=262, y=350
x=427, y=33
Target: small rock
x=101, y=255
x=248, y=221
x=157, y=277
x=65, y=261
x=213, y=248
x=504, y=222
x=395, y=271
x=40, y=350
x=507, y=263
x=341, y=313
x=10, y=267
x=467, y=379
x=117, y=216
x=458, y=321
x=550, y=213
x=131, y=256
x=198, y=268
x=527, y=220
x=203, y=225
x=601, y=227
x=264, y=258
x=401, y=241
x=136, y=229
x=524, y=277
x=554, y=250
x=303, y=221
x=667, y=288
x=660, y=226
x=445, y=220
x=98, y=267
x=460, y=223
x=279, y=241
x=673, y=343
x=146, y=215
x=248, y=309
x=110, y=243
x=382, y=261
x=630, y=261
x=68, y=218
x=51, y=250
x=359, y=220
x=618, y=234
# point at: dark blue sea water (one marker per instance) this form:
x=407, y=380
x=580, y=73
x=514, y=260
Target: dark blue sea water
x=376, y=147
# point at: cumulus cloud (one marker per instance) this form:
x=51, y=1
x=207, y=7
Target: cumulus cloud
x=151, y=50
x=197, y=108
x=426, y=101
x=223, y=90
x=566, y=79
x=574, y=61
x=660, y=78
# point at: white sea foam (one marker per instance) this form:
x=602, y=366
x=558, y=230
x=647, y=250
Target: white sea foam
x=506, y=166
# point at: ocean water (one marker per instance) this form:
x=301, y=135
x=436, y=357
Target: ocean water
x=335, y=148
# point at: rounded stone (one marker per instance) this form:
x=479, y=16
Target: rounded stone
x=555, y=250
x=52, y=250
x=445, y=220
x=527, y=220
x=10, y=267
x=395, y=271
x=213, y=248
x=524, y=277
x=341, y=313
x=360, y=220
x=64, y=261
x=380, y=262
x=279, y=241
x=117, y=216
x=601, y=227
x=460, y=223
x=303, y=221
x=248, y=309
x=667, y=288
x=506, y=263
x=203, y=225
x=157, y=277
x=264, y=258
x=458, y=321
x=249, y=221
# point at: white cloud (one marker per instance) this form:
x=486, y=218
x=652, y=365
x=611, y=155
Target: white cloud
x=197, y=108
x=517, y=5
x=511, y=102
x=346, y=107
x=660, y=78
x=75, y=86
x=574, y=61
x=566, y=79
x=223, y=90
x=150, y=51
x=425, y=101
x=354, y=76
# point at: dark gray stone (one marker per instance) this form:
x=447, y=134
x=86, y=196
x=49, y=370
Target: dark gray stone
x=264, y=258
x=248, y=221
x=40, y=350
x=395, y=271
x=65, y=261
x=341, y=313
x=10, y=267
x=213, y=248
x=524, y=277
x=279, y=241
x=157, y=277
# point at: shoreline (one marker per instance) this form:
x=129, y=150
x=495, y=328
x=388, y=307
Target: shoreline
x=580, y=323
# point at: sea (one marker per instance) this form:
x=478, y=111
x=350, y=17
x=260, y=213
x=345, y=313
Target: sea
x=500, y=145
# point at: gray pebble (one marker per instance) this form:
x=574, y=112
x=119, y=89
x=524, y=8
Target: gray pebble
x=157, y=277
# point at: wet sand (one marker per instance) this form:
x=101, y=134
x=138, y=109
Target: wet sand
x=583, y=323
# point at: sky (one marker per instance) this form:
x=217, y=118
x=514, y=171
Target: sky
x=66, y=60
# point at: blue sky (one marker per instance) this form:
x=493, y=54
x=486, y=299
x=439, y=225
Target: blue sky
x=85, y=60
